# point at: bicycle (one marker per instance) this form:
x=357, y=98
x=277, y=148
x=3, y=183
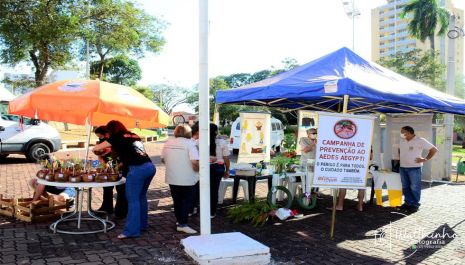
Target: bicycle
x=455, y=33
x=178, y=119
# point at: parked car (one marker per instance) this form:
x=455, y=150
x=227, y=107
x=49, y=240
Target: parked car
x=31, y=138
x=277, y=135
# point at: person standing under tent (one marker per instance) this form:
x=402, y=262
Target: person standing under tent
x=411, y=162
x=131, y=152
x=360, y=195
x=308, y=146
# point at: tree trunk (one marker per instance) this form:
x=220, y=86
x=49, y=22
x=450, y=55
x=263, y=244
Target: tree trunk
x=431, y=39
x=101, y=66
x=41, y=68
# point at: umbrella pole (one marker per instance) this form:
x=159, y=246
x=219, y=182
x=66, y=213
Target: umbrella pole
x=89, y=130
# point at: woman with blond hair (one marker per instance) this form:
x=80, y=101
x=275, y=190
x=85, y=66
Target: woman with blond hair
x=181, y=159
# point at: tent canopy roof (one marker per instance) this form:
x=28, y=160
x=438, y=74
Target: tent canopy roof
x=322, y=84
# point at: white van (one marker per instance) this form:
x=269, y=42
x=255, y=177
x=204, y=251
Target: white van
x=277, y=135
x=33, y=138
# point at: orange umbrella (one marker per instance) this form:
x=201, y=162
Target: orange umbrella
x=92, y=101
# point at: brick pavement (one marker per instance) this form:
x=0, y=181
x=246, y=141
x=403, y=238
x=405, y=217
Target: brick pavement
x=295, y=241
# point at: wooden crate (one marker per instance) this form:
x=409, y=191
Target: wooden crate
x=7, y=206
x=39, y=211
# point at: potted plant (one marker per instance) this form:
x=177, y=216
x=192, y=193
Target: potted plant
x=290, y=145
x=280, y=162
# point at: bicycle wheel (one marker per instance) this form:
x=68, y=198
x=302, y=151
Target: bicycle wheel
x=453, y=34
x=283, y=189
x=178, y=119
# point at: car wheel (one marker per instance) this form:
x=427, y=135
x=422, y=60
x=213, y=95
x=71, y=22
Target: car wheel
x=278, y=149
x=37, y=151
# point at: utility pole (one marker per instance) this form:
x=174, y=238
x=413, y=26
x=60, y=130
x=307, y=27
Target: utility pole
x=449, y=118
x=351, y=12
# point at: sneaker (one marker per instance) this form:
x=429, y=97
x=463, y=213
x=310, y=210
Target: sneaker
x=212, y=216
x=404, y=206
x=186, y=229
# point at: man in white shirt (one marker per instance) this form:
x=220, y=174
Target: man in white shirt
x=411, y=161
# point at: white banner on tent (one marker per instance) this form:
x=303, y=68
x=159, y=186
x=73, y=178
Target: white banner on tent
x=307, y=120
x=343, y=150
x=255, y=138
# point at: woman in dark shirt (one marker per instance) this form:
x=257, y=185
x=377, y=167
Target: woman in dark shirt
x=130, y=150
x=121, y=206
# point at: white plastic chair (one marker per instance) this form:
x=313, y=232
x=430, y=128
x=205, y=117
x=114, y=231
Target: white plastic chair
x=229, y=182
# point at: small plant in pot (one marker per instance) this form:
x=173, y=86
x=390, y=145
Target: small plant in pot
x=280, y=163
x=289, y=145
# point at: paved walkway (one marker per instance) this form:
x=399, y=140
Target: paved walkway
x=377, y=236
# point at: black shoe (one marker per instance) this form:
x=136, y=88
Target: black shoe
x=405, y=207
x=108, y=211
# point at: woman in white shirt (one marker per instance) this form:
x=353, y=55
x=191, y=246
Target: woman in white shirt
x=219, y=166
x=181, y=158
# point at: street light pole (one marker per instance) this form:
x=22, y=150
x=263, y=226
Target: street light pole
x=352, y=12
x=449, y=118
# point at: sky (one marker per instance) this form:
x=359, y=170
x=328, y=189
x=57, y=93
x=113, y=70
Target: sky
x=247, y=36
x=252, y=35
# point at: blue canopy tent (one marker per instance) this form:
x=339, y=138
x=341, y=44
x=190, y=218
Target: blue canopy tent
x=323, y=83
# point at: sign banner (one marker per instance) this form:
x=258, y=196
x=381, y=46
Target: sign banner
x=255, y=138
x=343, y=150
x=307, y=120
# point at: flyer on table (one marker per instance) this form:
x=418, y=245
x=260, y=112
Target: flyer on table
x=343, y=150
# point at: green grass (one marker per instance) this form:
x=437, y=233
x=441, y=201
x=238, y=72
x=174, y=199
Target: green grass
x=144, y=132
x=457, y=150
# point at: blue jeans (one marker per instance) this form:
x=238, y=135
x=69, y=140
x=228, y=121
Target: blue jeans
x=137, y=184
x=411, y=185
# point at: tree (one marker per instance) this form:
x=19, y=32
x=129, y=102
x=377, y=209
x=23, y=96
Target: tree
x=119, y=70
x=420, y=66
x=20, y=85
x=144, y=90
x=118, y=27
x=427, y=16
x=169, y=96
x=40, y=31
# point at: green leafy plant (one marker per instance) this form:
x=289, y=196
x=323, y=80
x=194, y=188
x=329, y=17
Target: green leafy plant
x=280, y=162
x=256, y=213
x=289, y=142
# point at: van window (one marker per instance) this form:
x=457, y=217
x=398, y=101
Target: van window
x=238, y=126
x=273, y=126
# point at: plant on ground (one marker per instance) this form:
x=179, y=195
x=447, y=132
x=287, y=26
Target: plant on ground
x=256, y=213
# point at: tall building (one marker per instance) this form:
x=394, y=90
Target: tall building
x=389, y=33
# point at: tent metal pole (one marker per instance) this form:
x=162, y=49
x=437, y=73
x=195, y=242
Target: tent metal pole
x=336, y=191
x=216, y=115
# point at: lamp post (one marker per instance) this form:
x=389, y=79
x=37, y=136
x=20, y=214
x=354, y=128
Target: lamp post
x=449, y=118
x=351, y=12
